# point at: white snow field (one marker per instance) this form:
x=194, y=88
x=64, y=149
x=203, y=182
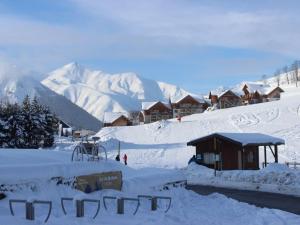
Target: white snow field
x=31, y=170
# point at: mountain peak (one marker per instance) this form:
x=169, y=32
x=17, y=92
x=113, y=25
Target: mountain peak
x=98, y=92
x=73, y=66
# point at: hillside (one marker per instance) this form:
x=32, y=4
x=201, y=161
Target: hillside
x=15, y=88
x=98, y=92
x=163, y=144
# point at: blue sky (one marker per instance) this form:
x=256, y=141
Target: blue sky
x=196, y=44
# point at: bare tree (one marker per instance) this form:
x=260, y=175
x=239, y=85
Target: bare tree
x=277, y=77
x=285, y=70
x=134, y=117
x=295, y=68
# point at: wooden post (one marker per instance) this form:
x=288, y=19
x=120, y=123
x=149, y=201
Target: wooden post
x=153, y=203
x=276, y=154
x=79, y=208
x=265, y=154
x=29, y=211
x=120, y=206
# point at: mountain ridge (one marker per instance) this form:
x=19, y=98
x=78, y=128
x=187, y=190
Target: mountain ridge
x=98, y=92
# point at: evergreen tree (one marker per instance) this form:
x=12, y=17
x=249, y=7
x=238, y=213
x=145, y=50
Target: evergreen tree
x=30, y=125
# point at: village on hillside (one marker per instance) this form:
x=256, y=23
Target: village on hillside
x=247, y=93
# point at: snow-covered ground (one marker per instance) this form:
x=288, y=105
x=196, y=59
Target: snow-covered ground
x=187, y=207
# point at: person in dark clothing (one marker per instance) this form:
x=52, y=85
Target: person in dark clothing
x=125, y=159
x=2, y=196
x=118, y=158
x=193, y=159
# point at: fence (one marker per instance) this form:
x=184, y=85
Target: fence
x=80, y=205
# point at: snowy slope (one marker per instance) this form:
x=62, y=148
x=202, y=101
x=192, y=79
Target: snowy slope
x=15, y=88
x=163, y=144
x=98, y=92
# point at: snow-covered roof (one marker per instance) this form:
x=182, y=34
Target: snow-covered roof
x=243, y=139
x=110, y=117
x=179, y=98
x=262, y=89
x=220, y=93
x=148, y=105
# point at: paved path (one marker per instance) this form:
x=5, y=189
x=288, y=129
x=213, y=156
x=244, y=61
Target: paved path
x=261, y=199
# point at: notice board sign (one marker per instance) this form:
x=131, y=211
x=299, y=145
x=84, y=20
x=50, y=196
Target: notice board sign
x=99, y=181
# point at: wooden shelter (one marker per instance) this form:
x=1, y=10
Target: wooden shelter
x=231, y=151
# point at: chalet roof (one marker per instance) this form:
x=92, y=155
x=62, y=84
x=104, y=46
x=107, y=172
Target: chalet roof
x=243, y=139
x=64, y=123
x=110, y=117
x=177, y=99
x=149, y=105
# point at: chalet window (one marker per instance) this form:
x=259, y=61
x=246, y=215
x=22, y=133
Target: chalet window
x=250, y=157
x=199, y=157
x=208, y=158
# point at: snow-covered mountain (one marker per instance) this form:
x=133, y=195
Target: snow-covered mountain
x=15, y=88
x=98, y=92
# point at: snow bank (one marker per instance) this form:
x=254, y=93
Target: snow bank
x=274, y=178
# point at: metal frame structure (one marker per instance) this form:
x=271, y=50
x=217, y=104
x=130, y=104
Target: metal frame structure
x=80, y=152
x=80, y=206
x=29, y=208
x=154, y=199
x=121, y=203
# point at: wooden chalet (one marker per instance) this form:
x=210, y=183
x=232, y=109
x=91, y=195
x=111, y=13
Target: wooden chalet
x=232, y=151
x=256, y=93
x=112, y=119
x=225, y=99
x=155, y=111
x=64, y=129
x=188, y=105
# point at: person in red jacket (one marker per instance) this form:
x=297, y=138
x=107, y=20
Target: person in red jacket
x=125, y=159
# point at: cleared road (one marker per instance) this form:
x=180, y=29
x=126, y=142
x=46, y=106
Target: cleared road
x=261, y=199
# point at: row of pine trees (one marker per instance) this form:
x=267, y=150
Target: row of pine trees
x=26, y=125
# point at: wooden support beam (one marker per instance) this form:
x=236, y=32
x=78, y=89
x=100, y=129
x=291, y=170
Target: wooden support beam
x=272, y=151
x=243, y=158
x=265, y=154
x=276, y=154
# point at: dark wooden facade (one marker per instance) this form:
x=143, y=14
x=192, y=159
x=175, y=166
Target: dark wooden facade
x=232, y=155
x=159, y=111
x=226, y=99
x=120, y=121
